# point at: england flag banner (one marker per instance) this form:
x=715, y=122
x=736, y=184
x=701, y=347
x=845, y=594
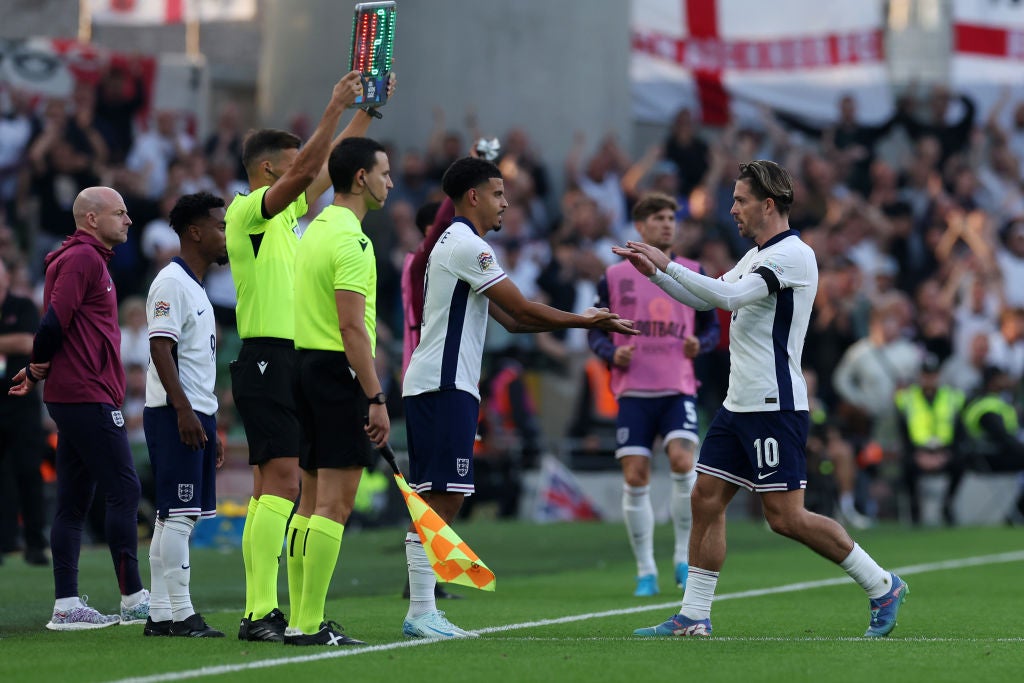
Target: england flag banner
x=722, y=58
x=143, y=12
x=988, y=52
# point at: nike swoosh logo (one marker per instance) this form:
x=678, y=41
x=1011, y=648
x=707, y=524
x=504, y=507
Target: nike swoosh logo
x=765, y=476
x=185, y=566
x=110, y=287
x=443, y=633
x=201, y=312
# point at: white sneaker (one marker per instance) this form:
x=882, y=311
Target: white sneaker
x=137, y=614
x=433, y=625
x=80, y=618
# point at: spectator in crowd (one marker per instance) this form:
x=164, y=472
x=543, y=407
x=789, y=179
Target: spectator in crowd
x=153, y=151
x=1006, y=345
x=992, y=430
x=225, y=142
x=868, y=375
x=687, y=151
x=21, y=433
x=120, y=97
x=964, y=371
x=954, y=137
x=134, y=335
x=929, y=417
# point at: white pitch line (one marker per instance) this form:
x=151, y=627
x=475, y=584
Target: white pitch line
x=788, y=588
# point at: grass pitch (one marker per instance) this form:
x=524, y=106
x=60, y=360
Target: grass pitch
x=564, y=611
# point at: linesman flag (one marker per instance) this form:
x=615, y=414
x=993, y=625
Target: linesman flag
x=451, y=559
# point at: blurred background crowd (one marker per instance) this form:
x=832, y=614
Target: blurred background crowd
x=917, y=222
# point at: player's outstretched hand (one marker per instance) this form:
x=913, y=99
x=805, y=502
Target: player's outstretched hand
x=639, y=261
x=604, y=319
x=347, y=90
x=653, y=254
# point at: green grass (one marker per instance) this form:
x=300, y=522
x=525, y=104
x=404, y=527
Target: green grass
x=959, y=623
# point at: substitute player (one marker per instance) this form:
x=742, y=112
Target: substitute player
x=180, y=415
x=338, y=393
x=653, y=379
x=757, y=438
x=262, y=235
x=442, y=398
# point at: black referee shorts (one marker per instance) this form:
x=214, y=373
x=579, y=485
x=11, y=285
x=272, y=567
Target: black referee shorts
x=263, y=385
x=333, y=412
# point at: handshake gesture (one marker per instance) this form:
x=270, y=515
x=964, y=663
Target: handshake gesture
x=603, y=319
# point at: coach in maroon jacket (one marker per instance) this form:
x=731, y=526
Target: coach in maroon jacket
x=77, y=348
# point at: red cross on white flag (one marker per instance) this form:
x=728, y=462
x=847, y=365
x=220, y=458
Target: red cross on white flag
x=718, y=56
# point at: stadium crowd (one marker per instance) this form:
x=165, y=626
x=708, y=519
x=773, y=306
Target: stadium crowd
x=917, y=224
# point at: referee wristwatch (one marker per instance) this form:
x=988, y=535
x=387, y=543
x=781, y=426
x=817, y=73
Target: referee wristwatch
x=380, y=399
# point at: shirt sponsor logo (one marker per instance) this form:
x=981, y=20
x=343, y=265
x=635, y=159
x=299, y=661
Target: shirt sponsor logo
x=161, y=309
x=462, y=466
x=185, y=492
x=485, y=259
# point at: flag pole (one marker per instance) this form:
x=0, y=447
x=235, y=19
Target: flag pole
x=84, y=21
x=192, y=37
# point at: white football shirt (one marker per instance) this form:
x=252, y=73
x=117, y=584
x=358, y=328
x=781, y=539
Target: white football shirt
x=766, y=337
x=461, y=267
x=177, y=307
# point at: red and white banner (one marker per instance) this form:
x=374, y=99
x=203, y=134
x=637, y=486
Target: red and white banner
x=988, y=51
x=50, y=67
x=722, y=57
x=140, y=12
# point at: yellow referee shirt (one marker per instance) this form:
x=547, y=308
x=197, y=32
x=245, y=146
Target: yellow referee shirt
x=262, y=256
x=333, y=254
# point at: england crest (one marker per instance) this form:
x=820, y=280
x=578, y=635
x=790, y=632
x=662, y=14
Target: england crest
x=184, y=492
x=622, y=435
x=462, y=466
x=117, y=417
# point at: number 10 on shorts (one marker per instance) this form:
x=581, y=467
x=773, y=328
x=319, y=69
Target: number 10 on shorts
x=767, y=453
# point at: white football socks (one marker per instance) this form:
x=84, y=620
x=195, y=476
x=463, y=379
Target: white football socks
x=866, y=572
x=421, y=577
x=639, y=516
x=700, y=591
x=177, y=567
x=159, y=602
x=682, y=515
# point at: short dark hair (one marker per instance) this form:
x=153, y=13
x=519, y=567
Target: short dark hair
x=191, y=207
x=652, y=203
x=350, y=156
x=465, y=174
x=768, y=180
x=260, y=143
x=425, y=216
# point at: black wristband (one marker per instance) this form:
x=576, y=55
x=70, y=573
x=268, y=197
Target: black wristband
x=380, y=399
x=372, y=111
x=28, y=373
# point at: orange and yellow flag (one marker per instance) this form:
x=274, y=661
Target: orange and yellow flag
x=452, y=560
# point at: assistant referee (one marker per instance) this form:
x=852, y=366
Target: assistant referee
x=341, y=406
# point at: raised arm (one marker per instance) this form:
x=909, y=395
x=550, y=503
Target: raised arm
x=311, y=158
x=356, y=128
